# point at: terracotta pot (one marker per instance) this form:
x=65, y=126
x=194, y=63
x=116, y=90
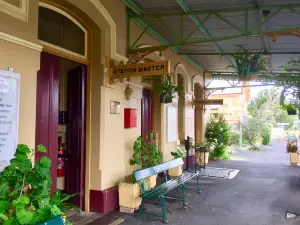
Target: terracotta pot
x=129, y=195
x=151, y=181
x=175, y=172
x=293, y=158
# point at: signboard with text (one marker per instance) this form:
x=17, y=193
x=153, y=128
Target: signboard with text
x=140, y=69
x=9, y=115
x=210, y=102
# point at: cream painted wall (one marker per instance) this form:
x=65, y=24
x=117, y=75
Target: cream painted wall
x=19, y=28
x=131, y=134
x=19, y=57
x=110, y=144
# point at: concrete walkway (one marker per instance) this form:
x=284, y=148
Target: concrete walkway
x=265, y=188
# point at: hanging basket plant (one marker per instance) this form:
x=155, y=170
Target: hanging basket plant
x=248, y=64
x=166, y=89
x=289, y=99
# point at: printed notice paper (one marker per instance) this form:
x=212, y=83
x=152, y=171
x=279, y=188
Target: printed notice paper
x=9, y=115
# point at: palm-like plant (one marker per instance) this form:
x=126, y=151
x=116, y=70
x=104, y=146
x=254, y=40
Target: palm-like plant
x=248, y=63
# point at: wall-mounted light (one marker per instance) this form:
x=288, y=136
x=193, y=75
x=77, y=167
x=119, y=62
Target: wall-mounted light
x=128, y=92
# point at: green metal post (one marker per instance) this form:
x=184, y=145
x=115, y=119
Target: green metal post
x=141, y=208
x=163, y=208
x=128, y=31
x=183, y=198
x=198, y=186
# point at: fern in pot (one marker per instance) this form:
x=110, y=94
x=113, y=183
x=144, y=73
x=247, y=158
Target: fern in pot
x=166, y=89
x=247, y=63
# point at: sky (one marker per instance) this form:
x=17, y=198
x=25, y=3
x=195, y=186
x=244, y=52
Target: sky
x=253, y=90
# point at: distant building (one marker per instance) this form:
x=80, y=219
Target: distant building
x=234, y=108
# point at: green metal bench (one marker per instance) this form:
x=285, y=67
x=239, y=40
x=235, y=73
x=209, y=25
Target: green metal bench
x=161, y=190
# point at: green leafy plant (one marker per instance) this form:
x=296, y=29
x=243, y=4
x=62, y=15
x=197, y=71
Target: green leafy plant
x=217, y=134
x=146, y=152
x=234, y=137
x=25, y=190
x=266, y=135
x=202, y=147
x=291, y=146
x=179, y=153
x=166, y=89
x=247, y=63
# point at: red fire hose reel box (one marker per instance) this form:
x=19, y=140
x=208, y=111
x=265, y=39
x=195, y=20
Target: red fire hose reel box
x=130, y=118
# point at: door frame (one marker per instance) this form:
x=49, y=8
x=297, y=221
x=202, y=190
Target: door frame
x=63, y=53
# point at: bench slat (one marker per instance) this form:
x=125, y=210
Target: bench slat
x=167, y=187
x=148, y=172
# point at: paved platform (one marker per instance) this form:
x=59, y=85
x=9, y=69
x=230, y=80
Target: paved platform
x=264, y=189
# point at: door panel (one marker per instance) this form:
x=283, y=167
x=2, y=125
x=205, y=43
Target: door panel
x=47, y=110
x=146, y=112
x=75, y=149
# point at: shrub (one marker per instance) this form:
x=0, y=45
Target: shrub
x=25, y=190
x=251, y=131
x=234, y=137
x=217, y=134
x=266, y=135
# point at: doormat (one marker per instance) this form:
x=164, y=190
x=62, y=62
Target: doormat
x=222, y=173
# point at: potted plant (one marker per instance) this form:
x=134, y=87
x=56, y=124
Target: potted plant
x=146, y=154
x=292, y=148
x=166, y=89
x=25, y=191
x=247, y=63
x=129, y=193
x=290, y=109
x=202, y=153
x=177, y=171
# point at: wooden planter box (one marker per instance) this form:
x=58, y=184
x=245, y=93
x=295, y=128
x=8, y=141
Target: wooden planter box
x=129, y=195
x=294, y=158
x=175, y=172
x=151, y=181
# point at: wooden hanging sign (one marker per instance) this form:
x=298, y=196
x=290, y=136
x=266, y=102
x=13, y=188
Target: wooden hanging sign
x=210, y=102
x=140, y=69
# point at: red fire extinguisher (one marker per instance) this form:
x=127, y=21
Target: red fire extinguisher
x=60, y=160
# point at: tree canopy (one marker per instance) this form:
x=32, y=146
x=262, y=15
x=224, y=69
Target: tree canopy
x=266, y=108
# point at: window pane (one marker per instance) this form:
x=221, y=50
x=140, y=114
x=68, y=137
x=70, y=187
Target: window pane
x=58, y=30
x=14, y=2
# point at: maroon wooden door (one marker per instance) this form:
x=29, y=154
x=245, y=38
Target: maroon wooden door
x=146, y=112
x=75, y=148
x=47, y=107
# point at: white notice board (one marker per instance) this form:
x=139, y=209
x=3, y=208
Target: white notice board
x=171, y=124
x=9, y=115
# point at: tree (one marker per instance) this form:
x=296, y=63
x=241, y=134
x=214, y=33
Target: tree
x=266, y=108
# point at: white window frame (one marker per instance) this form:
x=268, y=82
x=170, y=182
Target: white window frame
x=15, y=11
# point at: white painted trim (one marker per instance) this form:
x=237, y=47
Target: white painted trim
x=180, y=69
x=53, y=8
x=19, y=41
x=17, y=12
x=60, y=49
